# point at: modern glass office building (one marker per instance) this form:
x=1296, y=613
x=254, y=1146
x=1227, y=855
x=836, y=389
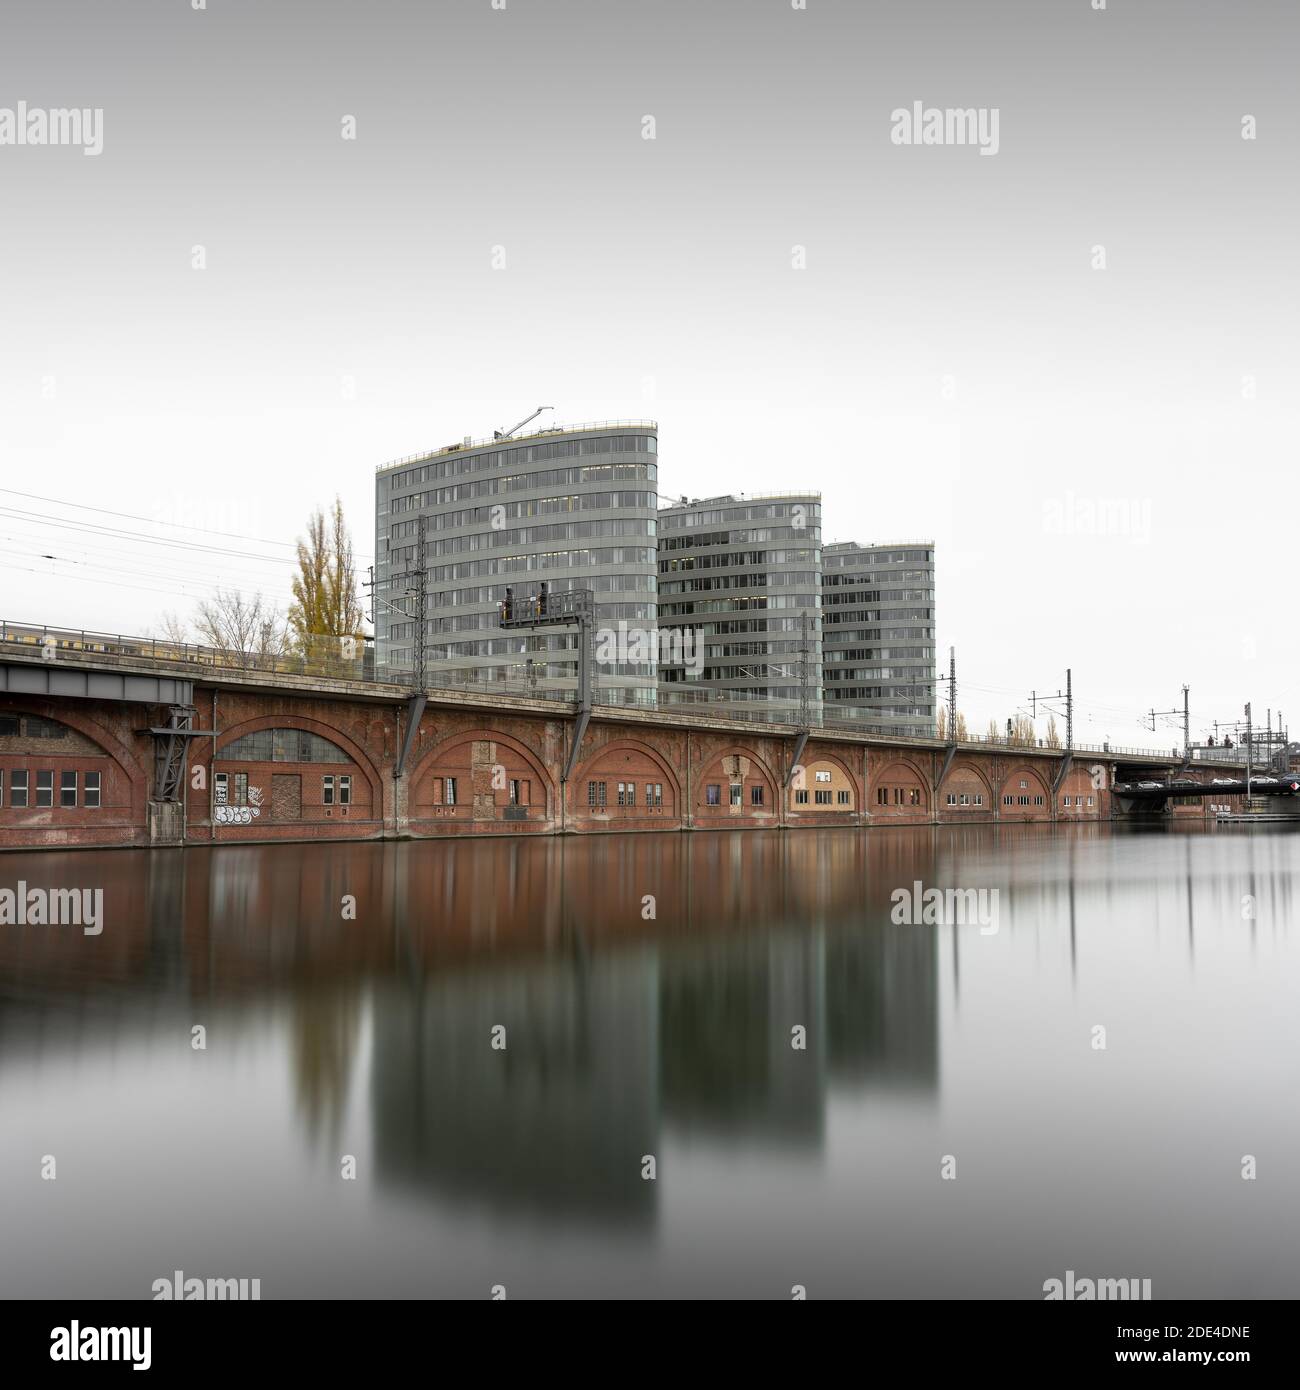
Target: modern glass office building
x=744, y=573
x=573, y=507
x=878, y=635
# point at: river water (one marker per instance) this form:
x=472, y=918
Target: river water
x=1074, y=1076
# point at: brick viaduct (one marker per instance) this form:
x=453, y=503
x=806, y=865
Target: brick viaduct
x=482, y=764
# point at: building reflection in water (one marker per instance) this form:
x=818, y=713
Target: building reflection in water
x=626, y=1032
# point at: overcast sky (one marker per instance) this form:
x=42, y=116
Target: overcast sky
x=1106, y=458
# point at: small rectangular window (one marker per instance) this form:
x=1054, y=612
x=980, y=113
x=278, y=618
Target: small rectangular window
x=45, y=787
x=220, y=789
x=92, y=791
x=713, y=794
x=756, y=795
x=659, y=795
x=67, y=788
x=241, y=789
x=882, y=796
x=842, y=798
x=736, y=790
x=914, y=796
x=600, y=792
x=801, y=798
x=449, y=791
x=345, y=791
x=823, y=797
x=327, y=791
x=514, y=791
x=18, y=788
x=591, y=793
x=952, y=798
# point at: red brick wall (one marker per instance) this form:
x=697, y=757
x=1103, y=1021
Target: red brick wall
x=487, y=749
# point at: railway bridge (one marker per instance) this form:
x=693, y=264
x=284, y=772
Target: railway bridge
x=128, y=742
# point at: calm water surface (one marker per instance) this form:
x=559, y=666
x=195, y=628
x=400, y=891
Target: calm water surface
x=669, y=1037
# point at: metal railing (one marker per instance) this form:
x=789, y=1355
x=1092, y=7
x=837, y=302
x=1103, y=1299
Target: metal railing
x=514, y=439
x=707, y=702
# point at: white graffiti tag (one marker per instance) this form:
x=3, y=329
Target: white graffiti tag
x=240, y=815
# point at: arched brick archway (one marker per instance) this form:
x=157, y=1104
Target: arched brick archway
x=1025, y=781
x=801, y=797
x=481, y=775
x=335, y=735
x=632, y=764
x=1078, y=797
x=135, y=774
x=898, y=790
x=740, y=767
x=966, y=781
x=295, y=793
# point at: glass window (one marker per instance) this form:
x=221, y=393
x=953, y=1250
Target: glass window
x=842, y=798
x=91, y=798
x=241, y=789
x=345, y=791
x=449, y=791
x=45, y=788
x=67, y=788
x=514, y=792
x=18, y=788
x=801, y=798
x=327, y=791
x=756, y=795
x=713, y=794
x=735, y=793
x=591, y=793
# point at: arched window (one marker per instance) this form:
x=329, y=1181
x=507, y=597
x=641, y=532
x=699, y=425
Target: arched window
x=282, y=746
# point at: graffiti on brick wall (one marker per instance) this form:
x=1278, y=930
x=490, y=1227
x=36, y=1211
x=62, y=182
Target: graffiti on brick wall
x=240, y=815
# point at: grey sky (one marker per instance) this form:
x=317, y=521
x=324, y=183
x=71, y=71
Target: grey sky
x=949, y=364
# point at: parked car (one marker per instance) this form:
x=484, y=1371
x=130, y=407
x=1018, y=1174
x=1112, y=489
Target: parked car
x=1150, y=786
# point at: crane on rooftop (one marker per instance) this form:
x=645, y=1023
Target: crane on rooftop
x=505, y=434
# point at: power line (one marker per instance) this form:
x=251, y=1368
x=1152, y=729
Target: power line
x=154, y=521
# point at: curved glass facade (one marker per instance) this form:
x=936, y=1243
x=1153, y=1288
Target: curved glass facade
x=574, y=509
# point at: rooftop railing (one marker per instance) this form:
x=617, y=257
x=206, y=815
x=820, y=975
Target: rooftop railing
x=507, y=442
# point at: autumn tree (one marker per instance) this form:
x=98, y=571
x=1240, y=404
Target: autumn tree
x=1053, y=736
x=325, y=602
